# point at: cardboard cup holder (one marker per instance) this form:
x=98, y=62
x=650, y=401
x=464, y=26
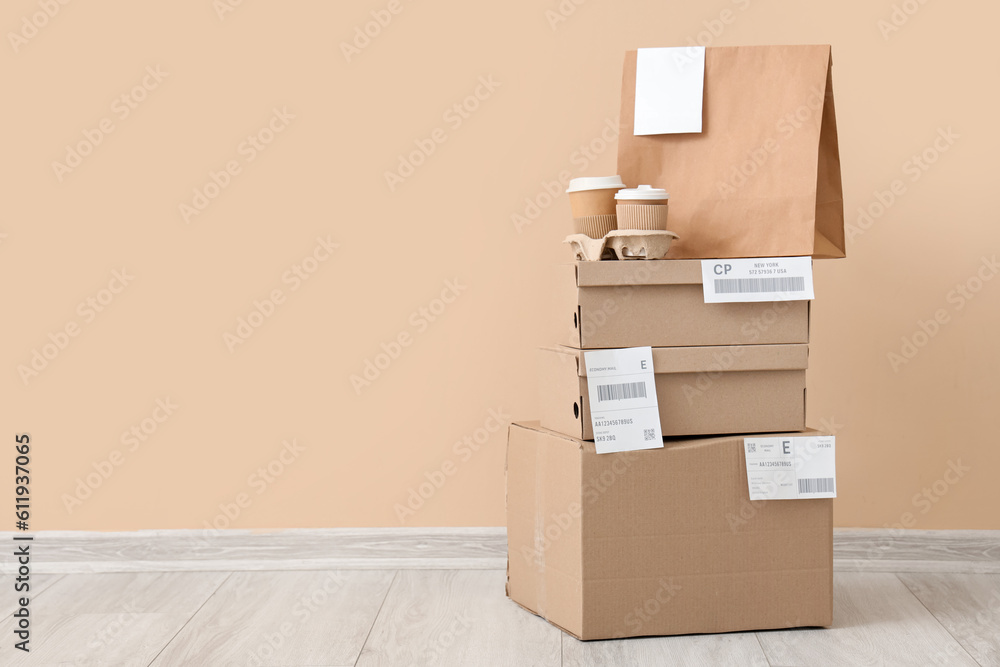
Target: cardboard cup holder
x=622, y=244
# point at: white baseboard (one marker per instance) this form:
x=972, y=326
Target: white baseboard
x=59, y=552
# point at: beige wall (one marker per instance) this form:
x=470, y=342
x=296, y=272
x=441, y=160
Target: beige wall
x=357, y=455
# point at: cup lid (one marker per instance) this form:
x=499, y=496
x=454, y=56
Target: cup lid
x=596, y=183
x=643, y=192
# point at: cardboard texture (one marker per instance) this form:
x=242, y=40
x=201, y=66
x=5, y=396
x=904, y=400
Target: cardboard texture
x=643, y=216
x=595, y=226
x=699, y=390
x=659, y=542
x=762, y=179
x=661, y=303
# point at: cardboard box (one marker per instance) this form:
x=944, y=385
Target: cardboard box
x=699, y=390
x=659, y=542
x=661, y=303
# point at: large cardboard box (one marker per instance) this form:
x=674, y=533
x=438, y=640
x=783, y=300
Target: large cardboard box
x=661, y=303
x=699, y=390
x=659, y=542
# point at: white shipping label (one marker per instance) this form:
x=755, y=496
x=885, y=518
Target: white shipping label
x=622, y=391
x=758, y=279
x=669, y=90
x=791, y=468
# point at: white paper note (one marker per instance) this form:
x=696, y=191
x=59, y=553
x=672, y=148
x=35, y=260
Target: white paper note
x=669, y=90
x=791, y=468
x=760, y=279
x=623, y=408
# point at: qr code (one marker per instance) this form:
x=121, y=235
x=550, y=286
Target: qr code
x=649, y=433
x=751, y=448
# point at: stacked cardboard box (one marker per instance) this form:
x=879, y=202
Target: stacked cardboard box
x=658, y=542
x=720, y=368
x=667, y=540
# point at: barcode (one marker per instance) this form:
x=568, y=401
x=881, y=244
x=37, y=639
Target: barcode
x=649, y=434
x=620, y=392
x=751, y=285
x=751, y=448
x=816, y=485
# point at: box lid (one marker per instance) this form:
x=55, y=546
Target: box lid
x=715, y=358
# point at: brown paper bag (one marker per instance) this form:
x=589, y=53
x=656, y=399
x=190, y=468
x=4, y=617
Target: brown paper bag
x=762, y=179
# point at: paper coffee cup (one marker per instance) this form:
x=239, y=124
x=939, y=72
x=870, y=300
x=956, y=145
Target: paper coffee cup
x=592, y=201
x=642, y=208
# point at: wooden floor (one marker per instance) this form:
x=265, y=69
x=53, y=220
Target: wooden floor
x=947, y=614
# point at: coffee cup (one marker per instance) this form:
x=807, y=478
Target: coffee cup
x=592, y=200
x=644, y=208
